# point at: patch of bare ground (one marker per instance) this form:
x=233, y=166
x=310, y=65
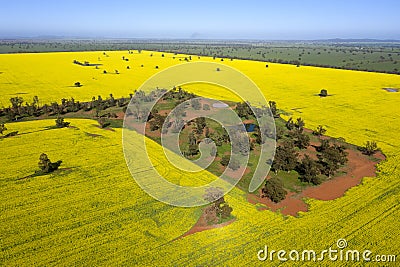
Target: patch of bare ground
x=201, y=225
x=358, y=167
x=291, y=205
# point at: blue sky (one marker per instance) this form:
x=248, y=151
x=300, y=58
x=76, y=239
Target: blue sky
x=278, y=19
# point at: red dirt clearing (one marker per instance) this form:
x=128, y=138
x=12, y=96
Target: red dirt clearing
x=358, y=167
x=202, y=225
x=291, y=205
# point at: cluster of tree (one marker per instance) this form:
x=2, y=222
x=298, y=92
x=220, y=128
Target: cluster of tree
x=330, y=158
x=156, y=121
x=200, y=124
x=285, y=157
x=178, y=94
x=296, y=133
x=219, y=208
x=17, y=110
x=141, y=96
x=219, y=138
x=244, y=110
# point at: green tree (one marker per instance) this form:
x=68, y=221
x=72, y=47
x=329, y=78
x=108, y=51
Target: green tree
x=285, y=157
x=290, y=124
x=193, y=147
x=319, y=131
x=332, y=158
x=258, y=136
x=299, y=124
x=225, y=160
x=370, y=148
x=2, y=128
x=301, y=140
x=200, y=124
x=46, y=166
x=16, y=102
x=243, y=110
x=207, y=132
x=103, y=122
x=323, y=93
x=213, y=151
x=60, y=123
x=273, y=108
x=309, y=170
x=273, y=189
x=35, y=102
x=219, y=208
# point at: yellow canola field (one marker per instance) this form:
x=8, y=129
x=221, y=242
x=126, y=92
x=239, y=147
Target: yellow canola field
x=357, y=100
x=94, y=213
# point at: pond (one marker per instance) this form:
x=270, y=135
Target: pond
x=250, y=127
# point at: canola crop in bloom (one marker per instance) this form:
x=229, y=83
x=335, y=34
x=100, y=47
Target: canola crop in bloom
x=94, y=213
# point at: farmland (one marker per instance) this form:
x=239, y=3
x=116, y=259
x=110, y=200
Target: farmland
x=368, y=55
x=92, y=212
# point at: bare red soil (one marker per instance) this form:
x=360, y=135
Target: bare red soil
x=202, y=225
x=291, y=205
x=358, y=167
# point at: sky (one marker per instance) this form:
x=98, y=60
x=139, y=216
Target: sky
x=205, y=19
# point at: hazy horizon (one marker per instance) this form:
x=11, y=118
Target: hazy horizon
x=230, y=20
